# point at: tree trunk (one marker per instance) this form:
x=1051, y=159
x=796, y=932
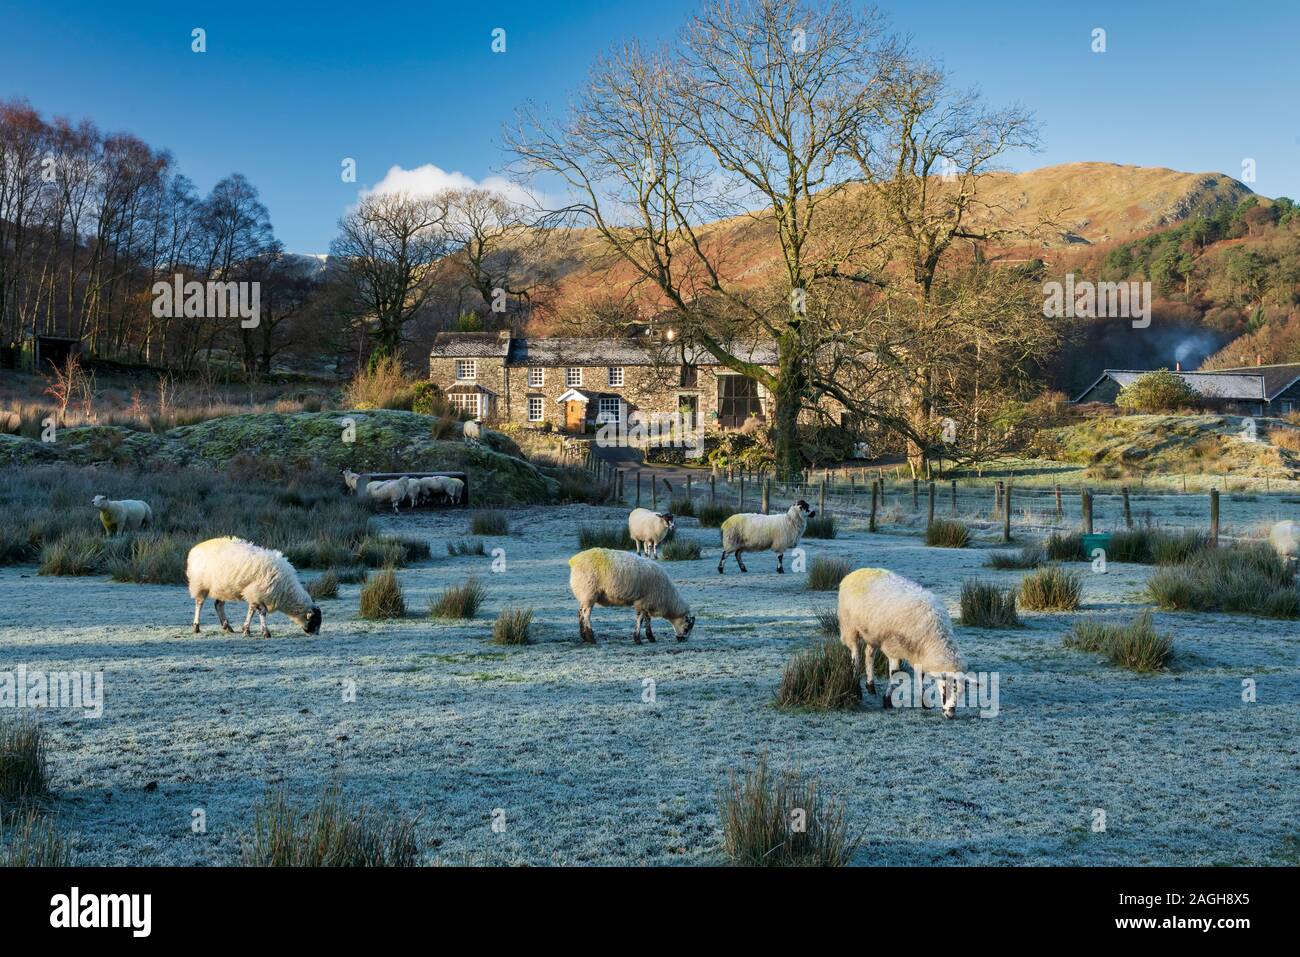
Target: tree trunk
x=791, y=384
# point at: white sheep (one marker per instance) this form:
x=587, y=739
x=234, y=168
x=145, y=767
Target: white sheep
x=453, y=488
x=231, y=569
x=1285, y=539
x=881, y=610
x=473, y=432
x=392, y=491
x=648, y=529
x=420, y=489
x=752, y=532
x=120, y=515
x=604, y=576
x=350, y=480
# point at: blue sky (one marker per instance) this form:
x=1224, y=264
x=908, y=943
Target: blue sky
x=286, y=91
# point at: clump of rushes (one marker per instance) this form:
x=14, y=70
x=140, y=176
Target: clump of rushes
x=828, y=622
x=24, y=771
x=459, y=601
x=1065, y=547
x=326, y=586
x=1175, y=548
x=27, y=839
x=329, y=833
x=821, y=525
x=825, y=574
x=489, y=522
x=1136, y=646
x=1240, y=579
x=821, y=678
x=604, y=536
x=1028, y=556
x=985, y=605
x=679, y=550
x=472, y=546
x=946, y=533
x=757, y=812
x=511, y=627
x=713, y=514
x=1051, y=589
x=381, y=596
x=682, y=506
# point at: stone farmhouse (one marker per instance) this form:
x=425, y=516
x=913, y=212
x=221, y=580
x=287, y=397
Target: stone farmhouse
x=1246, y=390
x=575, y=385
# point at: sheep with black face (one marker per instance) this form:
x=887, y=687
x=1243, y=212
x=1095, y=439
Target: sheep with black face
x=752, y=532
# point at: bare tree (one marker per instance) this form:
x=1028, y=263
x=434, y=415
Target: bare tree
x=388, y=249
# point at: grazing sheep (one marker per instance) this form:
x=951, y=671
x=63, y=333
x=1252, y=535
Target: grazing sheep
x=751, y=532
x=231, y=569
x=422, y=489
x=453, y=488
x=350, y=480
x=1285, y=539
x=885, y=611
x=392, y=491
x=473, y=432
x=648, y=529
x=121, y=515
x=603, y=576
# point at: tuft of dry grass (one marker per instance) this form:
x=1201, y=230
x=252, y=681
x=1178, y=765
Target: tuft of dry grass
x=1051, y=589
x=1028, y=556
x=1241, y=579
x=782, y=820
x=821, y=678
x=825, y=574
x=820, y=526
x=489, y=522
x=1136, y=646
x=24, y=768
x=332, y=832
x=713, y=514
x=459, y=601
x=615, y=536
x=512, y=627
x=985, y=605
x=946, y=533
x=326, y=586
x=28, y=839
x=385, y=386
x=381, y=596
x=680, y=549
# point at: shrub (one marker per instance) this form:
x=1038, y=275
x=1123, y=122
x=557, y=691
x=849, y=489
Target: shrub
x=821, y=678
x=466, y=547
x=329, y=833
x=757, y=814
x=946, y=533
x=713, y=514
x=682, y=506
x=29, y=840
x=24, y=773
x=326, y=586
x=985, y=605
x=820, y=526
x=1243, y=579
x=605, y=536
x=1028, y=556
x=459, y=601
x=382, y=386
x=1159, y=391
x=1062, y=547
x=511, y=627
x=680, y=550
x=489, y=522
x=381, y=596
x=825, y=574
x=1136, y=646
x=1051, y=589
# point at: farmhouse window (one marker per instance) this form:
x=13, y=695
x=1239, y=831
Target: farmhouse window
x=616, y=375
x=573, y=376
x=536, y=377
x=738, y=399
x=611, y=410
x=535, y=407
x=466, y=370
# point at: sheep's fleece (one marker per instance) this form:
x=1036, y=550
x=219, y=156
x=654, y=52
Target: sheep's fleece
x=231, y=569
x=604, y=576
x=122, y=515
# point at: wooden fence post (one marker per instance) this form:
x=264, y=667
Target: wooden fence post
x=916, y=487
x=767, y=495
x=954, y=498
x=713, y=488
x=1085, y=503
x=741, y=506
x=1128, y=512
x=875, y=489
x=688, y=488
x=1214, y=517
x=1006, y=514
x=930, y=519
x=1059, y=513
x=821, y=496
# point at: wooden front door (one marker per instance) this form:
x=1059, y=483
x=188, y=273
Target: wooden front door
x=575, y=415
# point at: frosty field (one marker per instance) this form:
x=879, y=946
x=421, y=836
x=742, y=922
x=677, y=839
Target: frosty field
x=555, y=737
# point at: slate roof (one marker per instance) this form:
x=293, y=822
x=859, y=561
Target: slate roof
x=1238, y=385
x=1276, y=377
x=555, y=351
x=469, y=345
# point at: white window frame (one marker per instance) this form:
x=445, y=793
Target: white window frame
x=573, y=376
x=536, y=377
x=541, y=408
x=460, y=403
x=616, y=382
x=602, y=415
x=469, y=364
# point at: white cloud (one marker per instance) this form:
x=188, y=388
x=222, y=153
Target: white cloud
x=428, y=179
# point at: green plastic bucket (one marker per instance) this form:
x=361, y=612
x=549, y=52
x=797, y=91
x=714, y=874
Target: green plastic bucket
x=1099, y=540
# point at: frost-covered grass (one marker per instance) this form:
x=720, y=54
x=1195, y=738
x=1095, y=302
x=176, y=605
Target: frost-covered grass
x=381, y=596
x=759, y=810
x=945, y=533
x=1051, y=589
x=330, y=832
x=448, y=727
x=1246, y=579
x=825, y=574
x=512, y=627
x=489, y=522
x=821, y=678
x=24, y=774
